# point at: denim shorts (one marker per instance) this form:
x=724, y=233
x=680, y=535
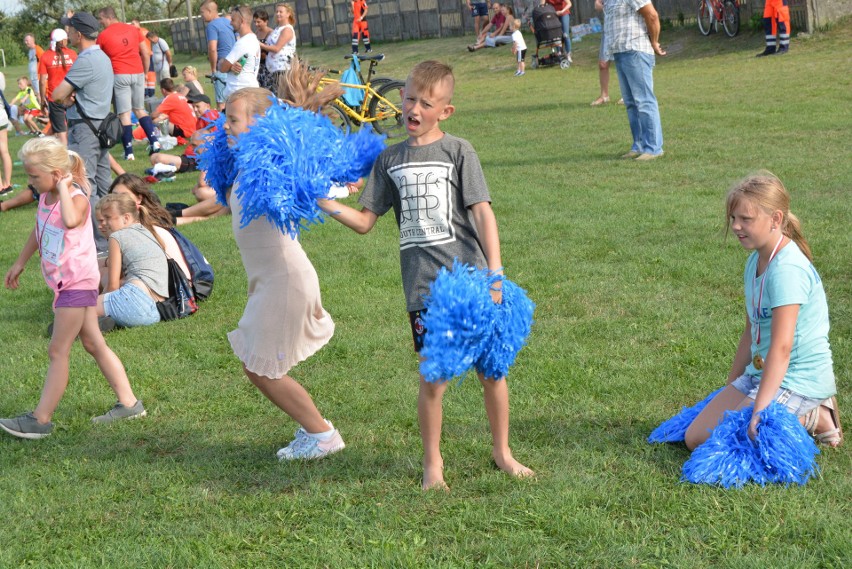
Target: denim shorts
x=131, y=306
x=219, y=86
x=478, y=8
x=796, y=404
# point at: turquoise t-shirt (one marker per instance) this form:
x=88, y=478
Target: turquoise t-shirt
x=792, y=279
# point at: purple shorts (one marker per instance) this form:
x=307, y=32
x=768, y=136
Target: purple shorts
x=76, y=299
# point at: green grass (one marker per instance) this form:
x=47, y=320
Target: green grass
x=639, y=310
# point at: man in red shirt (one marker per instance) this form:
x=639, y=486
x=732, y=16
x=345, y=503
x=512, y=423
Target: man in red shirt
x=130, y=57
x=175, y=108
x=53, y=65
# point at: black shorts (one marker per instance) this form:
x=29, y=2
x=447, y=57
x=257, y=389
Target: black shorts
x=56, y=115
x=187, y=164
x=178, y=131
x=418, y=330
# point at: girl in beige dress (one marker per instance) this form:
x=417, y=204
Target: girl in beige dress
x=284, y=321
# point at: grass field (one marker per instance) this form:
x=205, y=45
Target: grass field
x=639, y=309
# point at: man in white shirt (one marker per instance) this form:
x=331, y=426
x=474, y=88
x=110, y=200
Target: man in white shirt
x=243, y=61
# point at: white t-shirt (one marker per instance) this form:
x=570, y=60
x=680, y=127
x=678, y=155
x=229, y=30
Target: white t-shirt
x=158, y=53
x=518, y=40
x=247, y=46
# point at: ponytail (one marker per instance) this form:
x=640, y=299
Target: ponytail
x=792, y=228
x=78, y=171
x=147, y=221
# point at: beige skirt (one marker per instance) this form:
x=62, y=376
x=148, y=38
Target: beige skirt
x=284, y=322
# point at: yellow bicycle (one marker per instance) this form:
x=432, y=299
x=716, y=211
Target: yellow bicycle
x=375, y=101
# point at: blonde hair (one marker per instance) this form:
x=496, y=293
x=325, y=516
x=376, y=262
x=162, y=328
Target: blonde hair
x=190, y=69
x=49, y=155
x=427, y=74
x=763, y=190
x=125, y=204
x=292, y=17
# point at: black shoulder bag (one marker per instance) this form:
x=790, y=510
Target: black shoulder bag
x=110, y=130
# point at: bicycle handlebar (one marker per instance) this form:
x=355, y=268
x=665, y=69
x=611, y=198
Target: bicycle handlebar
x=377, y=57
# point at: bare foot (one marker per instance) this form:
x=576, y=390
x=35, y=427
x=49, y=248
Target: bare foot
x=433, y=478
x=509, y=465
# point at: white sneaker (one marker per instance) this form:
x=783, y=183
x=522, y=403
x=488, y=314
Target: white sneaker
x=306, y=447
x=130, y=158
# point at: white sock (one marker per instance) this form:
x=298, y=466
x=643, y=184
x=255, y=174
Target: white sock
x=322, y=436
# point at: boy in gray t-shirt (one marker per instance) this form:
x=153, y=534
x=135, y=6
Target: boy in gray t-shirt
x=435, y=185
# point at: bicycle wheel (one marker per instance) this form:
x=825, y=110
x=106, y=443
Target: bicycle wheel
x=705, y=17
x=386, y=110
x=731, y=18
x=337, y=117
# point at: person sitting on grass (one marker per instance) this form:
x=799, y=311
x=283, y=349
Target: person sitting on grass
x=460, y=193
x=161, y=220
x=204, y=116
x=191, y=85
x=27, y=103
x=136, y=275
x=783, y=354
x=500, y=31
x=176, y=110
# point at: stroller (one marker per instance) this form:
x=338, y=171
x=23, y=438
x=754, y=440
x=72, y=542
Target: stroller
x=548, y=35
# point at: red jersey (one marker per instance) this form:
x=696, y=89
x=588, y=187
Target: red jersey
x=121, y=44
x=179, y=112
x=55, y=65
x=558, y=5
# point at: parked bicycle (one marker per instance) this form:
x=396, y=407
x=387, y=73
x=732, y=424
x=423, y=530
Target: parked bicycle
x=375, y=100
x=712, y=12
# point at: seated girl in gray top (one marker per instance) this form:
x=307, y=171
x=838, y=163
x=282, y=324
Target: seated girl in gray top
x=136, y=269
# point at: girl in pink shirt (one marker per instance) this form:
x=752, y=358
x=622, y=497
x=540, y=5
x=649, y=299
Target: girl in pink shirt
x=65, y=242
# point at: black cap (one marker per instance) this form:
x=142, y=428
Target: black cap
x=86, y=24
x=198, y=98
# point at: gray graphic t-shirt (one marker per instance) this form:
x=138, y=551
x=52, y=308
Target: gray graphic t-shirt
x=430, y=189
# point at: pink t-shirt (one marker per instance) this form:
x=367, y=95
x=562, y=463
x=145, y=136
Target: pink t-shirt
x=69, y=259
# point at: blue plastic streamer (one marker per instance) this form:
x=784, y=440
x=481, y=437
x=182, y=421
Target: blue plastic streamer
x=674, y=429
x=289, y=158
x=512, y=323
x=216, y=160
x=466, y=328
x=782, y=453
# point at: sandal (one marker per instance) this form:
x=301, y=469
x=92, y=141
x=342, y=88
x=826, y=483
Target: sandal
x=600, y=101
x=832, y=437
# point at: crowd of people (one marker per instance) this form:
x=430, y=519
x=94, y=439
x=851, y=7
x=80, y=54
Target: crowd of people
x=783, y=354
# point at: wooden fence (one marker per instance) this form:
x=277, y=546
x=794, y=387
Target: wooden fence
x=328, y=22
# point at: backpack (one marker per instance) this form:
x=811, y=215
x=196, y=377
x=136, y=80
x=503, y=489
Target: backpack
x=181, y=302
x=199, y=269
x=352, y=96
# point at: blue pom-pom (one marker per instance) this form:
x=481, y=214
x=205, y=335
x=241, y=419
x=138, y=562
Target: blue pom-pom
x=674, y=429
x=359, y=152
x=512, y=322
x=216, y=160
x=783, y=451
x=288, y=159
x=459, y=321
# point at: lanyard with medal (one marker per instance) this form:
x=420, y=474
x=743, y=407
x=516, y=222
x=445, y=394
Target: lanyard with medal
x=757, y=361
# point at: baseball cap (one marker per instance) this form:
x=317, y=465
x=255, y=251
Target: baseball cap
x=85, y=23
x=198, y=98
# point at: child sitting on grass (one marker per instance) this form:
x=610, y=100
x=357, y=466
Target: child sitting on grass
x=783, y=353
x=65, y=241
x=440, y=173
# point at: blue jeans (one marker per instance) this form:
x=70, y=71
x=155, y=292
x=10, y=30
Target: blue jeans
x=566, y=31
x=636, y=77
